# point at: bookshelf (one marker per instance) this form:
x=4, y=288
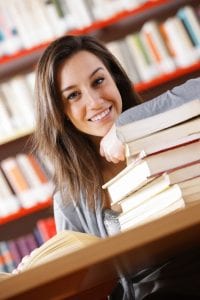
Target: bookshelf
x=108, y=30
x=95, y=268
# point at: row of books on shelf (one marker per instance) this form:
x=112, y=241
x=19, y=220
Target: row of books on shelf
x=160, y=47
x=163, y=166
x=17, y=116
x=25, y=24
x=12, y=251
x=25, y=181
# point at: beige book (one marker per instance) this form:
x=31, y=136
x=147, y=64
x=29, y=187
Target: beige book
x=151, y=189
x=166, y=138
x=153, y=205
x=165, y=118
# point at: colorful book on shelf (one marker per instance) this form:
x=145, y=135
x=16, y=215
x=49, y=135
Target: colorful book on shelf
x=46, y=228
x=179, y=41
x=9, y=263
x=156, y=45
x=22, y=246
x=14, y=252
x=190, y=20
x=18, y=182
x=9, y=203
x=60, y=244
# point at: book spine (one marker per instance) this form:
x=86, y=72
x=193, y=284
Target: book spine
x=46, y=228
x=22, y=246
x=14, y=252
x=180, y=42
x=158, y=48
x=7, y=257
x=18, y=182
x=189, y=19
x=31, y=242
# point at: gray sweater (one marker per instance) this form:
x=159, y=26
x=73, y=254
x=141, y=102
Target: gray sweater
x=79, y=217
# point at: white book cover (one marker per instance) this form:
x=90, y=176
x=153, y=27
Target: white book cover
x=153, y=205
x=142, y=195
x=165, y=117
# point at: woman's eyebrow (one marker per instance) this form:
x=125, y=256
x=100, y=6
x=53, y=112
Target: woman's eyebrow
x=73, y=86
x=95, y=71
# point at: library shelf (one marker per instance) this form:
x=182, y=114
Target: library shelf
x=15, y=136
x=28, y=57
x=161, y=79
x=26, y=211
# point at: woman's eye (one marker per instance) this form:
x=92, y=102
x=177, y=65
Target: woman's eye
x=98, y=81
x=73, y=95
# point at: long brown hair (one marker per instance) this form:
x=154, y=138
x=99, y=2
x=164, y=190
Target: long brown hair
x=72, y=153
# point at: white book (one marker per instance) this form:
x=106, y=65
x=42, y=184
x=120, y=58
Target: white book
x=24, y=27
x=127, y=181
x=146, y=71
x=185, y=172
x=166, y=115
x=79, y=13
x=23, y=99
x=154, y=187
x=149, y=216
x=57, y=23
x=153, y=205
x=172, y=159
x=6, y=124
x=8, y=95
x=12, y=42
x=166, y=138
x=28, y=171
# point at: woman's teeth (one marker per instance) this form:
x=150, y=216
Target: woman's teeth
x=101, y=115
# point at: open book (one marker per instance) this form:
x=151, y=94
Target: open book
x=62, y=243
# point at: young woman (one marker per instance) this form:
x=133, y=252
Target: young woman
x=82, y=92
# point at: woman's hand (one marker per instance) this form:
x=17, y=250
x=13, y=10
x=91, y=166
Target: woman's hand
x=111, y=147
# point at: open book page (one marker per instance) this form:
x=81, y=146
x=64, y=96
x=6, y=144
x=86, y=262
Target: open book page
x=62, y=243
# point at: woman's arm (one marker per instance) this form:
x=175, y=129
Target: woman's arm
x=113, y=149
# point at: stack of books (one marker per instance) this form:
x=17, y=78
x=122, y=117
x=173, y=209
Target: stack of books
x=163, y=165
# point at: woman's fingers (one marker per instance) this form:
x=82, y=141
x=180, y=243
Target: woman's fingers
x=111, y=147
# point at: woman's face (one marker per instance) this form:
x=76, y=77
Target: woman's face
x=91, y=98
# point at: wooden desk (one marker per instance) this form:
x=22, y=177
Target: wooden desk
x=91, y=273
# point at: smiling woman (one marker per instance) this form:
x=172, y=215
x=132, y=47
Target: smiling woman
x=81, y=93
x=92, y=101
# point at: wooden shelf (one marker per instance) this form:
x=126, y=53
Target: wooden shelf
x=17, y=135
x=25, y=211
x=140, y=87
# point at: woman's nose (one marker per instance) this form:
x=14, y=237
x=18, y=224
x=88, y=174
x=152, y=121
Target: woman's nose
x=93, y=99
